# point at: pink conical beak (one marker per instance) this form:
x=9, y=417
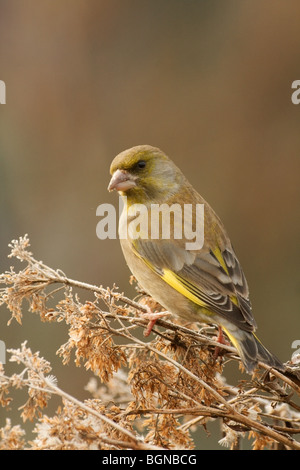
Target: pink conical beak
x=121, y=181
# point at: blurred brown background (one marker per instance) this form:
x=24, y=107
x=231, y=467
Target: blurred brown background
x=207, y=82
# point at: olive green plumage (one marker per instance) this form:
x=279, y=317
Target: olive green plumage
x=206, y=284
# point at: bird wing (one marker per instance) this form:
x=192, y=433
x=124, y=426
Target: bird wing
x=212, y=279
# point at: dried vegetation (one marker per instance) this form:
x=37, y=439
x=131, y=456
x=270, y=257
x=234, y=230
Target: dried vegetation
x=149, y=394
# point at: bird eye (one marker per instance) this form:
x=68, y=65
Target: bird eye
x=141, y=164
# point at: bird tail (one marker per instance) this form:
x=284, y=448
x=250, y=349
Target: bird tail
x=251, y=350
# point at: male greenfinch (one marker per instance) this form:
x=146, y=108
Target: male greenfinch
x=202, y=283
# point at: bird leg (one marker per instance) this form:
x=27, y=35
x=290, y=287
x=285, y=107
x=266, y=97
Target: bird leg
x=152, y=317
x=221, y=340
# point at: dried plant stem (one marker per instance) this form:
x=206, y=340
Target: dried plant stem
x=97, y=289
x=230, y=412
x=171, y=377
x=50, y=388
x=135, y=444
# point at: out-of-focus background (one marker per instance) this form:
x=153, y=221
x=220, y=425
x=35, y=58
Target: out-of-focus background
x=207, y=82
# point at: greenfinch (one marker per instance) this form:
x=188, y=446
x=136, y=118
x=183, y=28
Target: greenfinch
x=198, y=283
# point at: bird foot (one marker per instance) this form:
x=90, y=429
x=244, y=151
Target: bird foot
x=152, y=317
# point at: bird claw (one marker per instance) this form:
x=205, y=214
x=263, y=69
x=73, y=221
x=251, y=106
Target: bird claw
x=152, y=317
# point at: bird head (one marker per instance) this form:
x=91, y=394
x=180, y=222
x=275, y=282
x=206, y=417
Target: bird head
x=144, y=174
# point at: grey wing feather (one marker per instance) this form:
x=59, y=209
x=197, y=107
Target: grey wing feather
x=209, y=280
